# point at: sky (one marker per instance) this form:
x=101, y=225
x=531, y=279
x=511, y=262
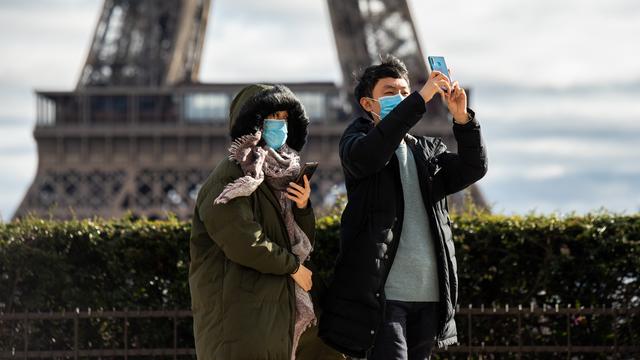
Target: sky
x=555, y=84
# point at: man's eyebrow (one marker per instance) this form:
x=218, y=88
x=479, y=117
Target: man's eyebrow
x=389, y=86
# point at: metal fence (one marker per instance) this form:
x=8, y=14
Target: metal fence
x=467, y=317
x=557, y=315
x=75, y=352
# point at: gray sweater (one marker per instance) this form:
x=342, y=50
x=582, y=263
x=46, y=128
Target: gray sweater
x=414, y=273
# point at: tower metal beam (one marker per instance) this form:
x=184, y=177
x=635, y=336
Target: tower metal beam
x=146, y=43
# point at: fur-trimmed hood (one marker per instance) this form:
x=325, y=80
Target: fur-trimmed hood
x=255, y=102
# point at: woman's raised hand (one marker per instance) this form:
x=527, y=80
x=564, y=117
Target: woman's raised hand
x=298, y=194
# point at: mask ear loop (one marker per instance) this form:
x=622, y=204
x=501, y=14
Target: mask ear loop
x=378, y=116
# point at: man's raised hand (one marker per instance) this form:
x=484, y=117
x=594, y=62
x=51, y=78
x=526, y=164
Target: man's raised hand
x=435, y=84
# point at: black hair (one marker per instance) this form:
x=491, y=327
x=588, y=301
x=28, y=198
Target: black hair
x=390, y=66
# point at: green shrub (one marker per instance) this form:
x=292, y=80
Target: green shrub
x=545, y=259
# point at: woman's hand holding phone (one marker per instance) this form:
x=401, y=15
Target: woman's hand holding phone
x=299, y=194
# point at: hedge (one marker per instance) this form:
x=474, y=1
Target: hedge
x=581, y=260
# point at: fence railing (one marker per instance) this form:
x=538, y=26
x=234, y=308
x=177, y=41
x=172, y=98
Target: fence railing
x=466, y=316
x=25, y=318
x=567, y=314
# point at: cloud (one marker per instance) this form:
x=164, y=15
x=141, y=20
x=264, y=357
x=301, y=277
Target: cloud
x=564, y=147
x=45, y=45
x=616, y=110
x=269, y=41
x=18, y=171
x=534, y=42
x=581, y=191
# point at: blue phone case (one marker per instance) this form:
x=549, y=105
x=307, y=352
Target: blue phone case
x=438, y=63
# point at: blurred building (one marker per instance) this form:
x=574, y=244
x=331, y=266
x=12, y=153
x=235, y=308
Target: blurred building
x=140, y=132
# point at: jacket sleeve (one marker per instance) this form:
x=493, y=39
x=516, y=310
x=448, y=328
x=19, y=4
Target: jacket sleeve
x=470, y=163
x=363, y=154
x=233, y=227
x=306, y=219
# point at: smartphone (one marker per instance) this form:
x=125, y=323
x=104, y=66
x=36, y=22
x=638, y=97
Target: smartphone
x=438, y=63
x=308, y=169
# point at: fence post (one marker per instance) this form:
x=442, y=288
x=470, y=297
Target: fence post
x=126, y=324
x=175, y=334
x=75, y=333
x=26, y=335
x=469, y=327
x=519, y=331
x=568, y=332
x=615, y=330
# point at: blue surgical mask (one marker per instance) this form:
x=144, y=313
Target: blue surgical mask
x=275, y=133
x=388, y=103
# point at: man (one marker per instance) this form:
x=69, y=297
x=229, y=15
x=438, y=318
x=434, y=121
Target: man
x=394, y=291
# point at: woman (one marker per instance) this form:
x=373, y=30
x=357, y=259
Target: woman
x=253, y=229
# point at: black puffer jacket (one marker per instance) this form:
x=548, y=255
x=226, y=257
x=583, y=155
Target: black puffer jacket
x=354, y=304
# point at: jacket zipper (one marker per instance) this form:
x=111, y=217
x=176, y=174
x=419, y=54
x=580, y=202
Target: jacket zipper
x=441, y=245
x=289, y=279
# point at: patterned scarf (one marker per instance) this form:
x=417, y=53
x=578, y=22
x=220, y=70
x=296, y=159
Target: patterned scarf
x=278, y=168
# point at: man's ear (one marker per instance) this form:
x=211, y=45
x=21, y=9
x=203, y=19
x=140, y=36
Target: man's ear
x=366, y=104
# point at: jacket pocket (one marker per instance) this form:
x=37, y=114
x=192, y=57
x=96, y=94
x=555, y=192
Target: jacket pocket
x=248, y=279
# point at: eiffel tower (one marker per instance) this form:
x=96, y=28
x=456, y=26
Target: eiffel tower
x=139, y=133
